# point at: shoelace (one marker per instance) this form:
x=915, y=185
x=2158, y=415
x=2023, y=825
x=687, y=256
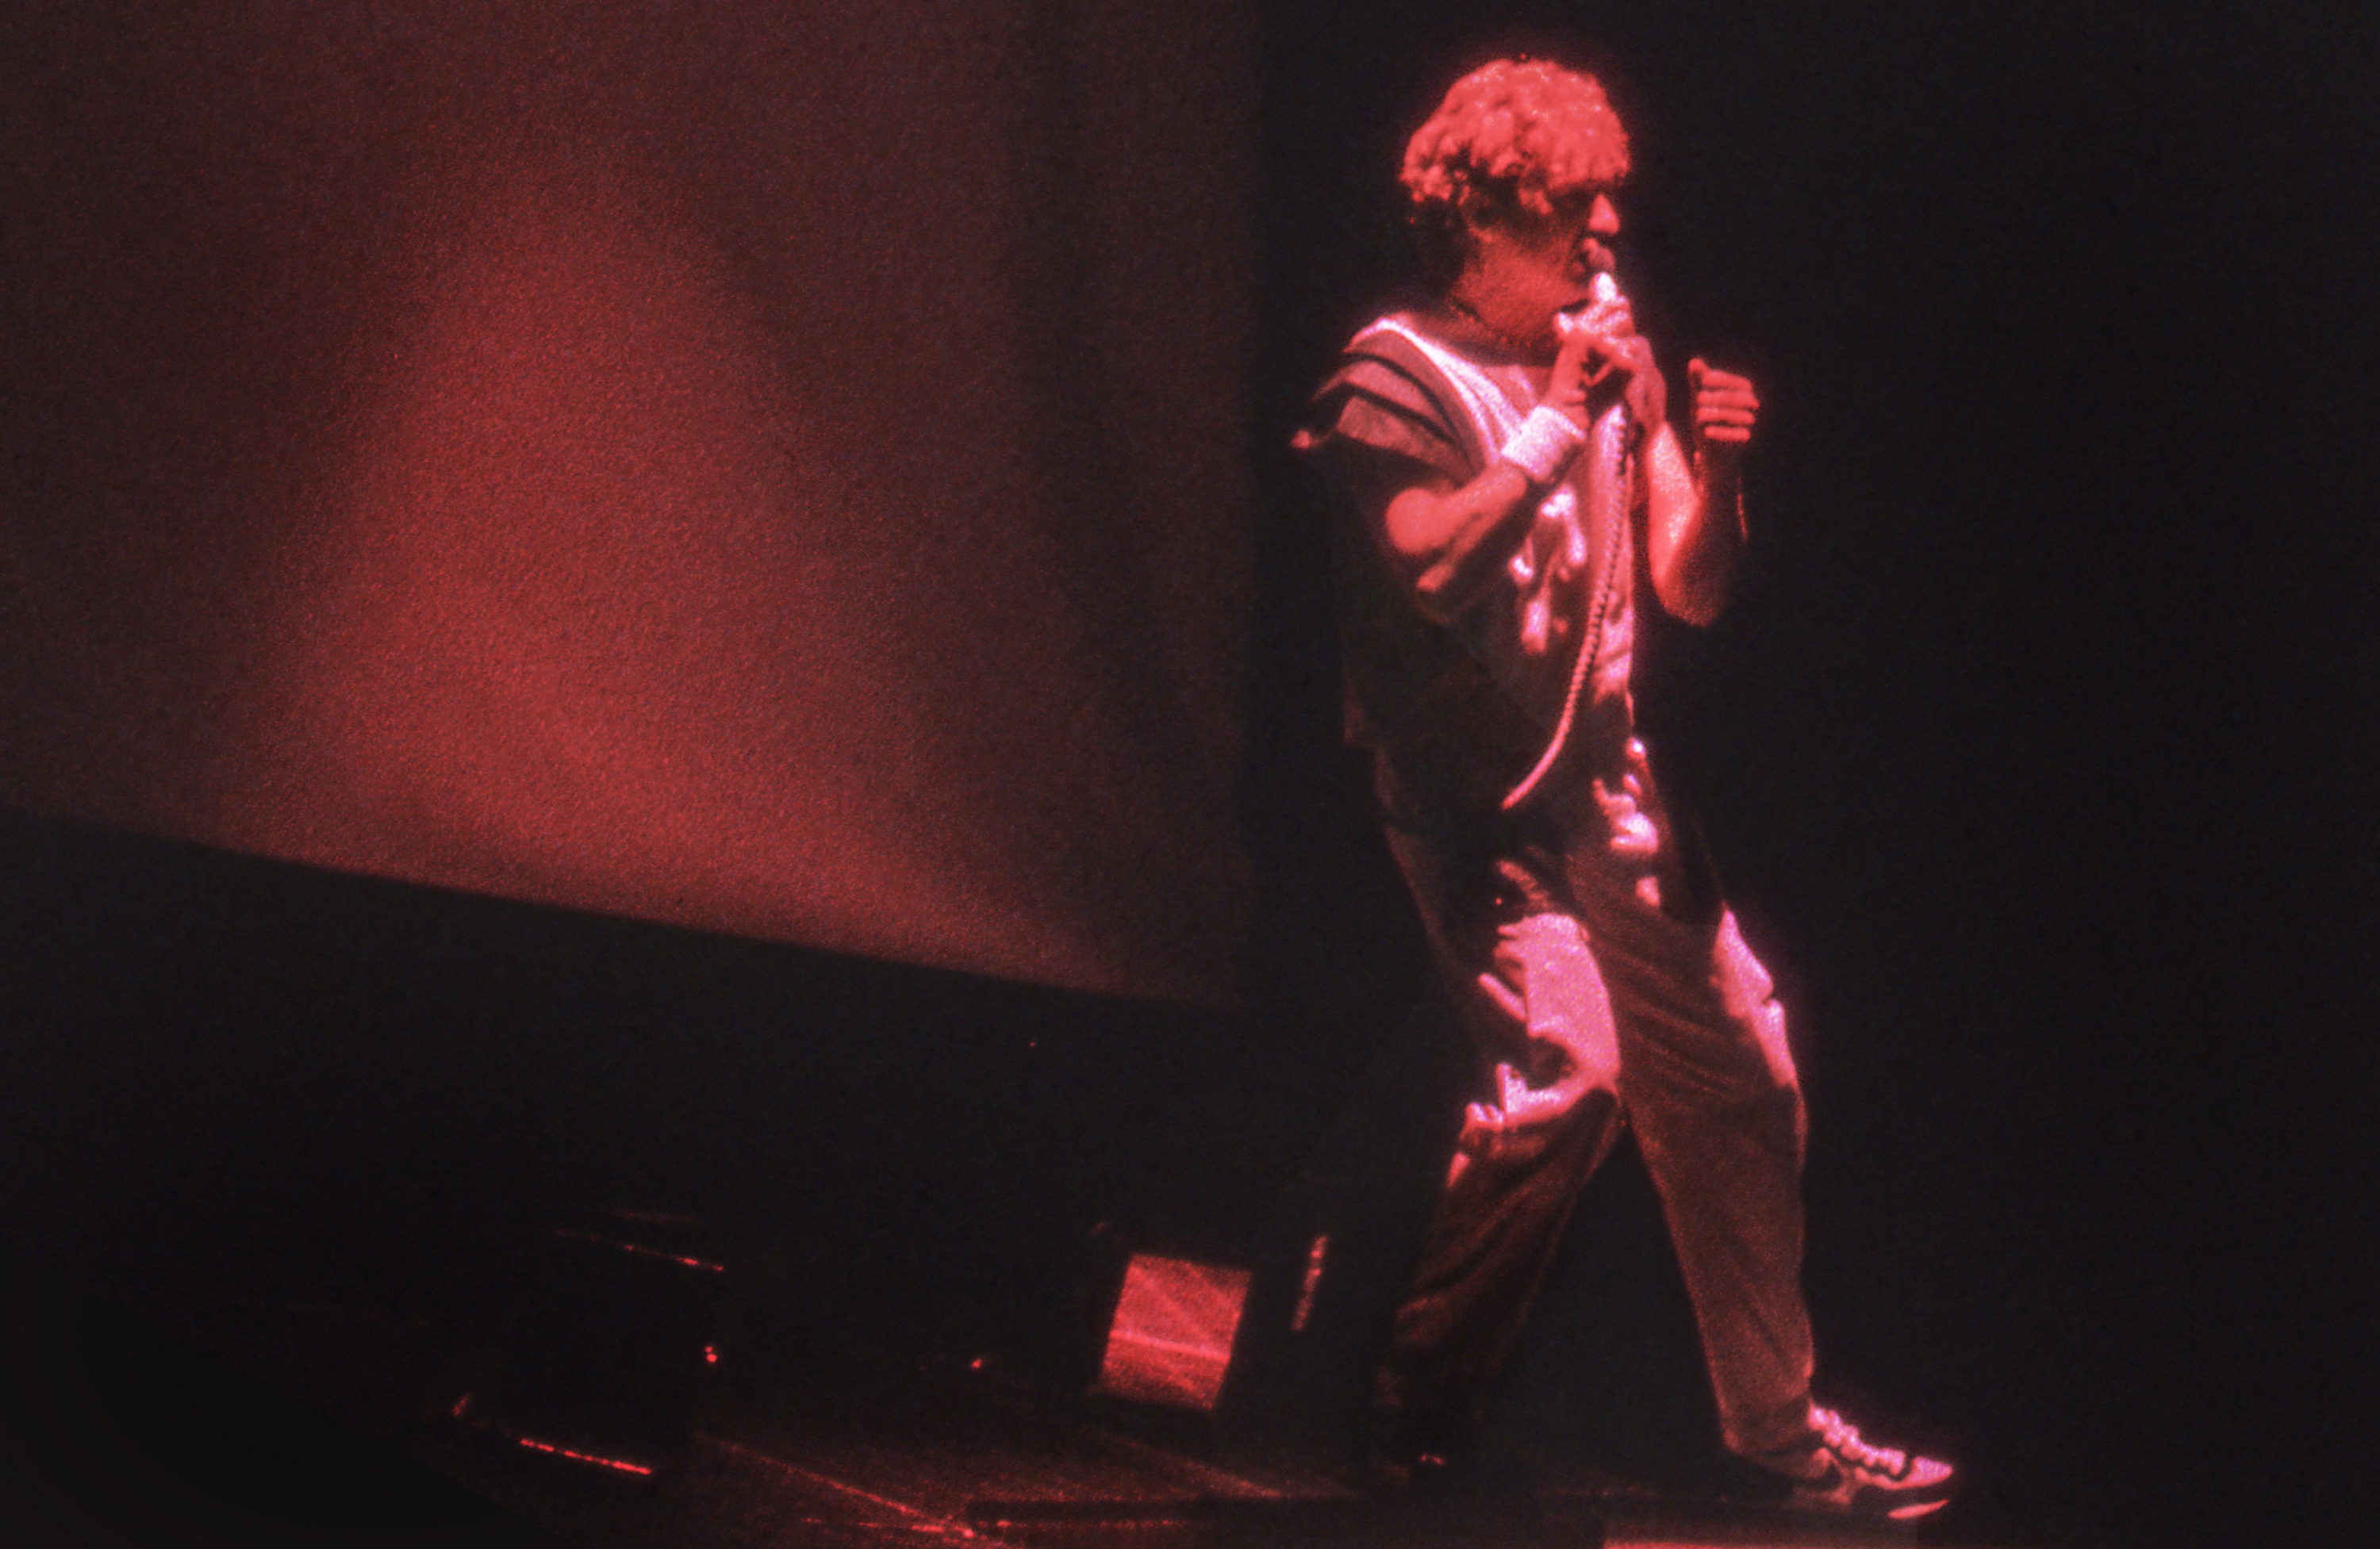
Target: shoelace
x=1843, y=1440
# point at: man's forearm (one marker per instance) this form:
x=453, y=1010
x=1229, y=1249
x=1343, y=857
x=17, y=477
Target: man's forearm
x=1457, y=537
x=1695, y=529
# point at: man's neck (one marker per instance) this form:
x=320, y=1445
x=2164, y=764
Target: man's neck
x=1461, y=324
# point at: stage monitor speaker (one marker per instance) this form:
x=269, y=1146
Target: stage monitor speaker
x=1171, y=1340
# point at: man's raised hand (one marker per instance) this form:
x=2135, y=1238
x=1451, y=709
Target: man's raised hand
x=1612, y=358
x=1725, y=408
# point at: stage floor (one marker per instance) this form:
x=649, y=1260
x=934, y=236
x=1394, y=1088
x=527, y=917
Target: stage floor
x=311, y=1420
x=875, y=1451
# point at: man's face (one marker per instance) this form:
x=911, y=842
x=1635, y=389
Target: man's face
x=1519, y=273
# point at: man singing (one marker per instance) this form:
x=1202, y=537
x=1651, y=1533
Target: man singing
x=1513, y=492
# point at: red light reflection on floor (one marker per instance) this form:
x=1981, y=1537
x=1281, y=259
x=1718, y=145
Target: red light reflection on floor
x=640, y=1250
x=577, y=1457
x=913, y=1517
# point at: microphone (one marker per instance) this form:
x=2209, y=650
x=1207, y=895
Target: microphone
x=1600, y=287
x=1604, y=492
x=1605, y=498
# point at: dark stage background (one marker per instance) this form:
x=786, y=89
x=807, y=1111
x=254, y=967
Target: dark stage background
x=704, y=601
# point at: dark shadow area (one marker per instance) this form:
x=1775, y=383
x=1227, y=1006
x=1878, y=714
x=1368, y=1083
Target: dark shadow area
x=2031, y=756
x=266, y=1077
x=122, y=1427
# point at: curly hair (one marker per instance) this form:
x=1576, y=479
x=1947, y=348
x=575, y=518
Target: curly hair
x=1519, y=136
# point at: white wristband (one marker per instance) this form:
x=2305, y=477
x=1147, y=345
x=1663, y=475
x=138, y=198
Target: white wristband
x=1544, y=445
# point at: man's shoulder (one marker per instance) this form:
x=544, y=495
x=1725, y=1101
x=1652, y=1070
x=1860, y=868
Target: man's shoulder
x=1403, y=351
x=1390, y=391
x=1407, y=333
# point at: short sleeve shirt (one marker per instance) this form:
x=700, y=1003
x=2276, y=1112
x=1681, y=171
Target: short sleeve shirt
x=1464, y=702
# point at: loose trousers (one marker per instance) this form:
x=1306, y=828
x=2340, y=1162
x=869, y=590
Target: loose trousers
x=1593, y=1005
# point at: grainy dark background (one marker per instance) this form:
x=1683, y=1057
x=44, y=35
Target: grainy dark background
x=2033, y=753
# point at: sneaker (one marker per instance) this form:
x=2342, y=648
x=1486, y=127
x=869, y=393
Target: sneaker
x=1845, y=1475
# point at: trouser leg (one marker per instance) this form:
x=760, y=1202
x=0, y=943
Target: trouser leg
x=1538, y=1012
x=1486, y=1254
x=1709, y=1088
